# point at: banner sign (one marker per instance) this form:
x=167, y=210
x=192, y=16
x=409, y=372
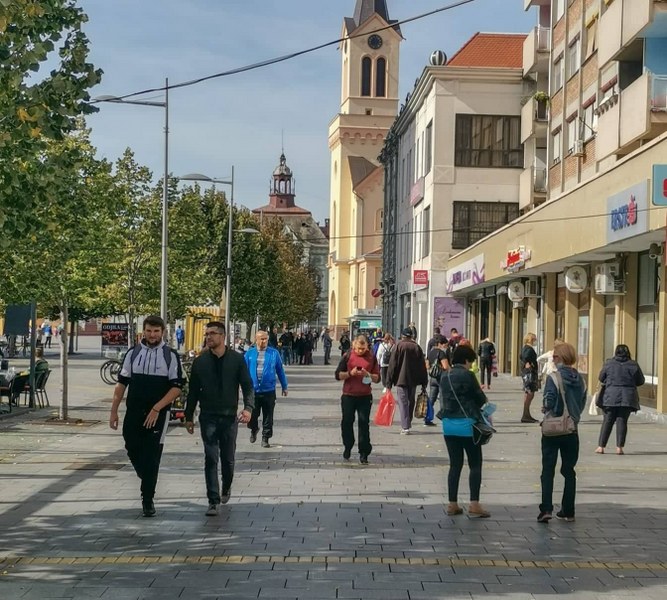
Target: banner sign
x=115, y=335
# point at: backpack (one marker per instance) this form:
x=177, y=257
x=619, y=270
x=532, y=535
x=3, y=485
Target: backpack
x=166, y=350
x=386, y=356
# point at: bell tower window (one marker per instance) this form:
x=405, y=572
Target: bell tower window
x=381, y=78
x=366, y=75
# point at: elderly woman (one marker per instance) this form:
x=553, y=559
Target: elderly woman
x=460, y=396
x=620, y=377
x=528, y=362
x=564, y=387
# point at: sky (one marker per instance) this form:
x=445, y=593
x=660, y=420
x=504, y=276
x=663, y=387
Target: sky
x=245, y=120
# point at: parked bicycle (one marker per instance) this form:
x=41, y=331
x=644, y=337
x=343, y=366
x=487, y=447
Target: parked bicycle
x=109, y=371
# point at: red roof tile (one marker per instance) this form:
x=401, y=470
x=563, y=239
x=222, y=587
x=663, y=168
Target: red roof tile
x=492, y=50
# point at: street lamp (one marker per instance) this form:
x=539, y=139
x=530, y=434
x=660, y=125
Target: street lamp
x=165, y=186
x=230, y=231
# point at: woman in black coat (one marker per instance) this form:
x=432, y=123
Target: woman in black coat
x=528, y=362
x=620, y=377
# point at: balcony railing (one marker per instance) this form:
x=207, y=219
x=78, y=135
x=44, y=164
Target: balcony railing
x=543, y=38
x=659, y=93
x=539, y=180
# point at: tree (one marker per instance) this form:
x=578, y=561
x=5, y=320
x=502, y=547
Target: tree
x=37, y=110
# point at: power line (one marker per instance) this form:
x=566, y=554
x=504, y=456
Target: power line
x=286, y=57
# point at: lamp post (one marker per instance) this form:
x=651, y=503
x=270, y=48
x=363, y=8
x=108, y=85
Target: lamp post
x=230, y=232
x=165, y=187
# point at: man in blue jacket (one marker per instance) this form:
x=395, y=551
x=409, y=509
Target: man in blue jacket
x=264, y=364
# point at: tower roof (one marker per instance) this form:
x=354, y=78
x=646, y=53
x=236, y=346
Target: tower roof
x=282, y=168
x=364, y=10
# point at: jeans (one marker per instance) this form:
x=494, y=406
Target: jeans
x=405, y=398
x=219, y=437
x=620, y=416
x=361, y=406
x=286, y=355
x=568, y=445
x=383, y=376
x=456, y=446
x=485, y=367
x=266, y=403
x=327, y=354
x=433, y=392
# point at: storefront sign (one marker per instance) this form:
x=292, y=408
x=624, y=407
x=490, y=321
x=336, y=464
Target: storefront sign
x=115, y=335
x=448, y=313
x=420, y=277
x=515, y=260
x=368, y=312
x=466, y=274
x=660, y=185
x=627, y=213
x=421, y=296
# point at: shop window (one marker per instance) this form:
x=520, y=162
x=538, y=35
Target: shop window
x=488, y=141
x=475, y=220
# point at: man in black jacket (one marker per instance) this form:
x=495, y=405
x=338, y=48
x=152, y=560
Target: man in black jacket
x=215, y=378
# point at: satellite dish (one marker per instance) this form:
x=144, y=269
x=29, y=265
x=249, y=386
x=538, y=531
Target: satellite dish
x=576, y=279
x=516, y=291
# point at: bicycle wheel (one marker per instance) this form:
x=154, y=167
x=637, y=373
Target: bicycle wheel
x=114, y=371
x=105, y=372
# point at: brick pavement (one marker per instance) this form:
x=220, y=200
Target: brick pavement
x=304, y=524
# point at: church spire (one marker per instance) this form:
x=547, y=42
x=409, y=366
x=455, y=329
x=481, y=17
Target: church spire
x=367, y=8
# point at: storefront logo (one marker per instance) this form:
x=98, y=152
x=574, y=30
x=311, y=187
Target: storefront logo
x=466, y=274
x=516, y=259
x=624, y=216
x=420, y=277
x=627, y=212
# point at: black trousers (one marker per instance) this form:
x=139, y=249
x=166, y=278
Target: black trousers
x=383, y=376
x=266, y=404
x=219, y=437
x=456, y=446
x=144, y=448
x=485, y=365
x=620, y=416
x=327, y=354
x=352, y=406
x=568, y=446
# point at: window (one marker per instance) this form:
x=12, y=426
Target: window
x=590, y=122
x=381, y=78
x=573, y=57
x=379, y=219
x=572, y=132
x=426, y=232
x=488, y=141
x=557, y=75
x=475, y=220
x=559, y=9
x=428, y=149
x=556, y=146
x=366, y=73
x=591, y=37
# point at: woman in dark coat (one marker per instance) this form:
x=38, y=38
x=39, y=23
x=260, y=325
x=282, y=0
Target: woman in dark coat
x=528, y=362
x=620, y=377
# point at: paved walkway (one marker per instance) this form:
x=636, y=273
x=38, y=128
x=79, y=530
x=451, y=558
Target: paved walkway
x=303, y=523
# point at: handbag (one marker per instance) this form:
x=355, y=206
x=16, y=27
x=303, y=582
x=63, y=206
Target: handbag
x=435, y=371
x=421, y=405
x=481, y=430
x=595, y=405
x=564, y=424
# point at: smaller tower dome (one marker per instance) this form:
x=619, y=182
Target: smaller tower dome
x=438, y=58
x=282, y=168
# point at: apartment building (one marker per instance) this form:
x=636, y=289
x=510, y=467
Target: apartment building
x=585, y=260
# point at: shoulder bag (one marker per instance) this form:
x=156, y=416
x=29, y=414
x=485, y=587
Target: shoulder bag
x=481, y=430
x=564, y=424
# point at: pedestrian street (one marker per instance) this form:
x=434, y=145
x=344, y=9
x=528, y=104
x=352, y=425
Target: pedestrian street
x=303, y=523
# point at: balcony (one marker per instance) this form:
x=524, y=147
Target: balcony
x=534, y=119
x=637, y=114
x=536, y=51
x=532, y=187
x=530, y=3
x=626, y=20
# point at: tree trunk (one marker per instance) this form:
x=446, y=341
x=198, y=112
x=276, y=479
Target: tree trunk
x=64, y=318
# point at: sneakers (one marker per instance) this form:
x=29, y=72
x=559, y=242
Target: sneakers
x=363, y=459
x=544, y=517
x=148, y=508
x=561, y=515
x=212, y=510
x=265, y=443
x=347, y=453
x=430, y=424
x=253, y=436
x=226, y=495
x=405, y=432
x=528, y=419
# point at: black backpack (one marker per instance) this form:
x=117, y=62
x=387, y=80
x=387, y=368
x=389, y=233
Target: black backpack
x=166, y=350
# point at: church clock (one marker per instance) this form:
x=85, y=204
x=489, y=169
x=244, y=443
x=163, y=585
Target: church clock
x=375, y=41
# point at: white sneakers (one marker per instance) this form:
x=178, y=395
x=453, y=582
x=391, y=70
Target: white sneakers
x=405, y=432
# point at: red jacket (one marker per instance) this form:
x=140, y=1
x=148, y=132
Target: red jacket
x=354, y=386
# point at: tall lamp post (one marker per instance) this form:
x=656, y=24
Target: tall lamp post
x=230, y=231
x=165, y=187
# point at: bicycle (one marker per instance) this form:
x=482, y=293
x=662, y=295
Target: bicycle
x=110, y=370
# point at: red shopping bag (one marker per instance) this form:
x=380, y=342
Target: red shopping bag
x=385, y=412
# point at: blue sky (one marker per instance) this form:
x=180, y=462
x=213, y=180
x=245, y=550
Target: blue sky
x=239, y=120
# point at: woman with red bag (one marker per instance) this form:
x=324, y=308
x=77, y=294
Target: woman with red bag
x=357, y=369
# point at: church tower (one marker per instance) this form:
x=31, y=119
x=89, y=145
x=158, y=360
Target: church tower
x=369, y=105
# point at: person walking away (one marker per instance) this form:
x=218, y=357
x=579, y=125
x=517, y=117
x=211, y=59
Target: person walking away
x=432, y=342
x=308, y=349
x=180, y=337
x=285, y=348
x=215, y=378
x=273, y=338
x=344, y=343
x=264, y=365
x=486, y=353
x=327, y=342
x=413, y=330
x=565, y=386
x=406, y=371
x=436, y=355
x=528, y=361
x=357, y=369
x=47, y=332
x=620, y=376
x=383, y=355
x=461, y=395
x=153, y=377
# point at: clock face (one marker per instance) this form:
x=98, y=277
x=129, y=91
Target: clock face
x=375, y=41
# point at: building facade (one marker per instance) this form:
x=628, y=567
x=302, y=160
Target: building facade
x=369, y=104
x=453, y=161
x=587, y=263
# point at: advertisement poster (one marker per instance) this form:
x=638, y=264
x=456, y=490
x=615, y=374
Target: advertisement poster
x=115, y=335
x=448, y=313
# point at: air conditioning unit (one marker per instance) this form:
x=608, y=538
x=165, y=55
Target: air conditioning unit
x=532, y=288
x=609, y=279
x=578, y=148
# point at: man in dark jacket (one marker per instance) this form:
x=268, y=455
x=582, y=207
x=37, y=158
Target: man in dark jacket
x=407, y=370
x=327, y=342
x=215, y=379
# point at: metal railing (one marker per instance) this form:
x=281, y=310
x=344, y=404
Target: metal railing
x=543, y=35
x=659, y=93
